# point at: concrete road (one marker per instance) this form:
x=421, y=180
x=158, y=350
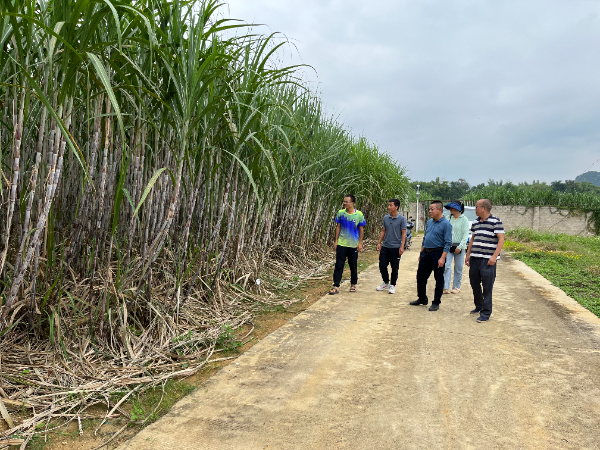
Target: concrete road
x=367, y=371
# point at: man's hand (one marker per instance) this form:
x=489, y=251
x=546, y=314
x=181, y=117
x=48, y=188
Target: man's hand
x=467, y=257
x=359, y=248
x=335, y=245
x=492, y=260
x=442, y=261
x=378, y=246
x=401, y=250
x=458, y=250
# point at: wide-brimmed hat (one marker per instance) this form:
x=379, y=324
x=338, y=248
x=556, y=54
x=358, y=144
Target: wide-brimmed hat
x=453, y=205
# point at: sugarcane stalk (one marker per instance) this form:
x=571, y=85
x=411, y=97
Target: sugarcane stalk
x=15, y=178
x=225, y=248
x=54, y=177
x=33, y=183
x=186, y=230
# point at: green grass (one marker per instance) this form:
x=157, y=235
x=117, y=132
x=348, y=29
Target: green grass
x=570, y=262
x=153, y=403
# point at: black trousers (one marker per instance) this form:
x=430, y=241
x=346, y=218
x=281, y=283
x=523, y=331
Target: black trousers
x=341, y=254
x=482, y=277
x=389, y=256
x=428, y=264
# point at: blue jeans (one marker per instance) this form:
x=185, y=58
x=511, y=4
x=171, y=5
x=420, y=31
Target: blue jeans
x=459, y=262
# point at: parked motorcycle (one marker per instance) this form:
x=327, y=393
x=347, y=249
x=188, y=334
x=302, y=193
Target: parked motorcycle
x=410, y=224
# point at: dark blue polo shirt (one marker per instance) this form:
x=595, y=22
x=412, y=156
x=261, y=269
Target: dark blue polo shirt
x=438, y=234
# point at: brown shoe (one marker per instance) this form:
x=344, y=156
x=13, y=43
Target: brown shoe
x=446, y=291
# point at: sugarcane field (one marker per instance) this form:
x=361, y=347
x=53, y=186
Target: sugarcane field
x=148, y=170
x=171, y=184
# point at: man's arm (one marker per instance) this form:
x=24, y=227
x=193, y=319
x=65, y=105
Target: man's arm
x=381, y=236
x=447, y=244
x=442, y=260
x=494, y=257
x=468, y=255
x=447, y=237
x=361, y=233
x=338, y=227
x=403, y=241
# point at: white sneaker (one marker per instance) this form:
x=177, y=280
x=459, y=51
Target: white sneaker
x=383, y=287
x=392, y=289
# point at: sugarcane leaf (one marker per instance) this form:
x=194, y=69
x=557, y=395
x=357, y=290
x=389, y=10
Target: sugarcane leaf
x=7, y=31
x=128, y=197
x=149, y=187
x=103, y=76
x=250, y=177
x=46, y=29
x=117, y=22
x=52, y=44
x=269, y=157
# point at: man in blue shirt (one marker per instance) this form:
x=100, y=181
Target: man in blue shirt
x=435, y=247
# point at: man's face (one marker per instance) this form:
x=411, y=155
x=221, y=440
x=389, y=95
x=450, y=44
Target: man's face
x=348, y=203
x=479, y=209
x=392, y=207
x=435, y=212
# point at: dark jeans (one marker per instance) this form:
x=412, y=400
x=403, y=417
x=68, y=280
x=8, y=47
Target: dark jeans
x=482, y=276
x=341, y=253
x=389, y=256
x=428, y=264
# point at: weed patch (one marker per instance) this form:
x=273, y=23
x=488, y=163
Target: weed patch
x=227, y=340
x=569, y=262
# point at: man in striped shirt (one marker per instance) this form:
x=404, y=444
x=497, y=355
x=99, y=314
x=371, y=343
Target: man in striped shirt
x=482, y=254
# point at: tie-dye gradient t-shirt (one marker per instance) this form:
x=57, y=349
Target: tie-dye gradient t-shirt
x=349, y=229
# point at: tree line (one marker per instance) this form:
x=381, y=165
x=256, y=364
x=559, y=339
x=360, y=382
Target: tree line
x=449, y=190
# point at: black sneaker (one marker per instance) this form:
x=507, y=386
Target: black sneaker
x=475, y=311
x=481, y=319
x=419, y=302
x=434, y=307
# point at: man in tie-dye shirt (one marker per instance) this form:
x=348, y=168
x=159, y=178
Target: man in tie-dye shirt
x=349, y=233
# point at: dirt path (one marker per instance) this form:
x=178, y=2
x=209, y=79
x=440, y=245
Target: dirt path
x=366, y=370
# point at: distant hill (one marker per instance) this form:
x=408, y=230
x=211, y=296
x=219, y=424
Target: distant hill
x=590, y=177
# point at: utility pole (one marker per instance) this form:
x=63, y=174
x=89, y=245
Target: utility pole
x=417, y=224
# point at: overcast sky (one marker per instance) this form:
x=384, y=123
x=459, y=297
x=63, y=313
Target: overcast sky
x=472, y=89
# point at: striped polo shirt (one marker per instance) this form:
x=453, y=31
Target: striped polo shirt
x=485, y=239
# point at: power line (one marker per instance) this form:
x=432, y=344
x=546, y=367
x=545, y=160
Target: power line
x=586, y=170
